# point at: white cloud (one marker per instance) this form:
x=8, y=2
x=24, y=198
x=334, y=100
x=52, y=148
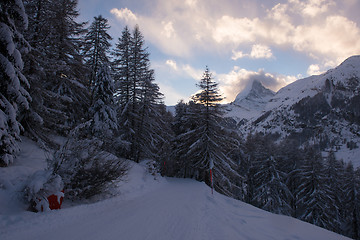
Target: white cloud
x=260, y=51
x=318, y=28
x=257, y=51
x=232, y=83
x=192, y=72
x=172, y=64
x=236, y=30
x=185, y=70
x=312, y=8
x=168, y=29
x=124, y=14
x=313, y=69
x=237, y=55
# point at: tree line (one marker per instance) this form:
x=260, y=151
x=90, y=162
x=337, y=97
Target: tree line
x=61, y=78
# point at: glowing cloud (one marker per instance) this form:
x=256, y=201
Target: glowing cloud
x=236, y=80
x=124, y=14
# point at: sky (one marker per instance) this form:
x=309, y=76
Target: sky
x=275, y=42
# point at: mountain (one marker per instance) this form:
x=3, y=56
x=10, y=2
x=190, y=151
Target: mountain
x=322, y=110
x=149, y=207
x=249, y=103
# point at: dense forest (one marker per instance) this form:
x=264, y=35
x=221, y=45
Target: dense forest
x=62, y=78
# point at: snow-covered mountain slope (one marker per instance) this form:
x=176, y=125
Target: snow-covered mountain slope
x=156, y=208
x=345, y=75
x=323, y=109
x=250, y=103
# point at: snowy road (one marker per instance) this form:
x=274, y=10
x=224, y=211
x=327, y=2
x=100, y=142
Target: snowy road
x=159, y=210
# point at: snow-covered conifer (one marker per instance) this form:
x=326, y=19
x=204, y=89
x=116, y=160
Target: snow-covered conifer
x=14, y=97
x=313, y=194
x=271, y=193
x=55, y=68
x=206, y=144
x=352, y=202
x=97, y=46
x=138, y=97
x=103, y=114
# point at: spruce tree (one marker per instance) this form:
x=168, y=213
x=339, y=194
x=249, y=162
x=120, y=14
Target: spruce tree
x=313, y=194
x=55, y=68
x=14, y=97
x=138, y=97
x=35, y=69
x=97, y=46
x=103, y=115
x=121, y=66
x=207, y=143
x=334, y=172
x=271, y=193
x=352, y=202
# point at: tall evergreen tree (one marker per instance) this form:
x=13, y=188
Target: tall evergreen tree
x=97, y=46
x=55, y=67
x=121, y=66
x=334, y=172
x=271, y=193
x=35, y=69
x=104, y=121
x=14, y=98
x=352, y=202
x=313, y=193
x=207, y=144
x=138, y=97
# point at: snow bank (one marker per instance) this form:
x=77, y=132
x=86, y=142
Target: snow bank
x=152, y=207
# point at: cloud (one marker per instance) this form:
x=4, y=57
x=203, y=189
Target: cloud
x=260, y=51
x=124, y=14
x=312, y=8
x=232, y=83
x=172, y=96
x=323, y=30
x=257, y=51
x=185, y=70
x=314, y=69
x=326, y=36
x=237, y=55
x=335, y=38
x=192, y=72
x=168, y=29
x=172, y=64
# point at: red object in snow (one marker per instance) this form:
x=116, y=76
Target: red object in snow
x=53, y=201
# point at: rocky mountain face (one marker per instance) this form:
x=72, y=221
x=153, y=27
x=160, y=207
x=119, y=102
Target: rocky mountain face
x=322, y=110
x=250, y=103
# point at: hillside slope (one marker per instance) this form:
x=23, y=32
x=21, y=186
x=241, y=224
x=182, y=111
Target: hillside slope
x=152, y=207
x=322, y=110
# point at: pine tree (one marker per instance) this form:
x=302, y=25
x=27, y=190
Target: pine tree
x=35, y=63
x=334, y=172
x=352, y=202
x=290, y=158
x=121, y=66
x=271, y=193
x=97, y=46
x=14, y=98
x=207, y=143
x=152, y=131
x=313, y=193
x=65, y=94
x=104, y=121
x=138, y=97
x=55, y=68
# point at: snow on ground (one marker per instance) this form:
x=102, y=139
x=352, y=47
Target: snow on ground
x=152, y=207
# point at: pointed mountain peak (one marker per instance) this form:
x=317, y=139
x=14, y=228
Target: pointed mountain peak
x=254, y=90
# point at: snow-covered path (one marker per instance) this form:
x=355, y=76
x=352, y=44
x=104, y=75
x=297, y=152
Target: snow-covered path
x=159, y=210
